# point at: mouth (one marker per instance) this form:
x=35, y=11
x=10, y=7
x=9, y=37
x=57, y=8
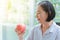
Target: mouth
x=38, y=19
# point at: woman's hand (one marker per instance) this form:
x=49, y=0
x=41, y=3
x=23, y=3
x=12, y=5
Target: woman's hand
x=20, y=34
x=20, y=30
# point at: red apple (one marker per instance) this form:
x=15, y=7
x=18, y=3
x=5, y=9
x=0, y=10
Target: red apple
x=21, y=28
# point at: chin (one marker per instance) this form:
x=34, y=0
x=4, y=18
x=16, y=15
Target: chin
x=41, y=22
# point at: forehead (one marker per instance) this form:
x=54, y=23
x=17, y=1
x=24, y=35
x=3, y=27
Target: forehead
x=39, y=8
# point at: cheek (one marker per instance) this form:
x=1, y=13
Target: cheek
x=44, y=15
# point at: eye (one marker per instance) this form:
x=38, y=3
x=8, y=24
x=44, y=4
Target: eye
x=38, y=13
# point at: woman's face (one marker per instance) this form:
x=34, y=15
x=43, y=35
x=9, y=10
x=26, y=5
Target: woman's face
x=41, y=14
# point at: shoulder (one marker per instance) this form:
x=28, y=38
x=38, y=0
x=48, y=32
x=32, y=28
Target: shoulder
x=58, y=32
x=57, y=29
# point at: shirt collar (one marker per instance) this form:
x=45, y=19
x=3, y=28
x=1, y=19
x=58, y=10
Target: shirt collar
x=51, y=29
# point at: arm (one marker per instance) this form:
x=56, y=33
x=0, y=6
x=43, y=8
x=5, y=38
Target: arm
x=20, y=35
x=31, y=35
x=21, y=38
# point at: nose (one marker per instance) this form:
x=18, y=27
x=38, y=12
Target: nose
x=36, y=15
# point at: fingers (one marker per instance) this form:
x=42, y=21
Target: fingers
x=15, y=30
x=19, y=33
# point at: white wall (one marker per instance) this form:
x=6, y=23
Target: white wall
x=2, y=14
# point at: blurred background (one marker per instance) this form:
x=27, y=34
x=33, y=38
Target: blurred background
x=13, y=12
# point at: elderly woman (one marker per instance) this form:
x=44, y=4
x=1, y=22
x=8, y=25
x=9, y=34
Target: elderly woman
x=47, y=29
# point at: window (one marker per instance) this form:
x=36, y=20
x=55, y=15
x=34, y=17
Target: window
x=21, y=11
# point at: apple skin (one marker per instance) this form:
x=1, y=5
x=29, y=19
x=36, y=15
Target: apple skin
x=20, y=28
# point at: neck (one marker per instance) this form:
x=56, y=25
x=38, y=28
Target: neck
x=45, y=26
